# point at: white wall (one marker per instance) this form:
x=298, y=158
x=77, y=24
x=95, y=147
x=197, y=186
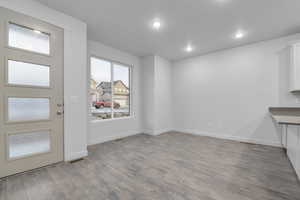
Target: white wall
x=162, y=95
x=75, y=42
x=148, y=64
x=227, y=94
x=102, y=131
x=223, y=94
x=157, y=94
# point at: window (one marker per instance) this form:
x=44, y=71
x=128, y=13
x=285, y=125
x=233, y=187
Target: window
x=28, y=143
x=27, y=109
x=28, y=39
x=109, y=89
x=27, y=74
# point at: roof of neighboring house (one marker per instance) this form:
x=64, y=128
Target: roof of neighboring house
x=107, y=85
x=104, y=85
x=121, y=82
x=93, y=81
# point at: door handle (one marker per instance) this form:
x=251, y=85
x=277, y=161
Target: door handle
x=59, y=112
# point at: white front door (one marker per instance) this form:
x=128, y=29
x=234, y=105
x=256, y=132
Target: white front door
x=31, y=93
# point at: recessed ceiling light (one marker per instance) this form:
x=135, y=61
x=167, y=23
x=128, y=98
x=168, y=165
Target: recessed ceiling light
x=156, y=24
x=239, y=34
x=189, y=48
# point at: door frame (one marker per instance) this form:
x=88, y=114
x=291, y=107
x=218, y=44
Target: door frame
x=31, y=57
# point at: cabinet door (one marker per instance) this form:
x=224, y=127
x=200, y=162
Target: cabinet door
x=298, y=155
x=293, y=145
x=294, y=67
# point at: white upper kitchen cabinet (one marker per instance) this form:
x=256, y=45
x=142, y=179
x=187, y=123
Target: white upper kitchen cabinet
x=295, y=67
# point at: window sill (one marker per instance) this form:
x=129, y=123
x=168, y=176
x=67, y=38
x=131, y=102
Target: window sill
x=93, y=121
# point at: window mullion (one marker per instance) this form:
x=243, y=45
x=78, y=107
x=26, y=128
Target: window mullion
x=129, y=89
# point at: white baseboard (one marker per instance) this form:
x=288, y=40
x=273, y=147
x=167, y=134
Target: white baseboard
x=157, y=132
x=112, y=137
x=161, y=131
x=148, y=132
x=76, y=155
x=229, y=137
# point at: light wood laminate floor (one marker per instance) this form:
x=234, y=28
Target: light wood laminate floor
x=172, y=166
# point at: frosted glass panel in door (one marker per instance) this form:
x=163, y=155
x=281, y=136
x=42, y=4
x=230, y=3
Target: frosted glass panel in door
x=21, y=73
x=28, y=109
x=25, y=144
x=28, y=39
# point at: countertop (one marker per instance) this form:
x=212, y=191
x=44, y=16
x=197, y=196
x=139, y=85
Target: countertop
x=286, y=115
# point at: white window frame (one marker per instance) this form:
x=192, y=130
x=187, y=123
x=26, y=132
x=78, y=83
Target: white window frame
x=112, y=62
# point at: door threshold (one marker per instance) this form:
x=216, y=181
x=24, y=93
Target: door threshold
x=32, y=170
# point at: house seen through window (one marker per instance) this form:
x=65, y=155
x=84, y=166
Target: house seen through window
x=109, y=89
